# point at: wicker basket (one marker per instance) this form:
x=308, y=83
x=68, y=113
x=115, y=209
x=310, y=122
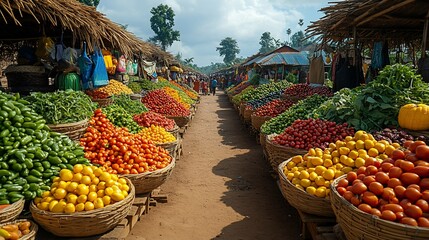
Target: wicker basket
x=73, y=130
x=33, y=229
x=84, y=224
x=241, y=108
x=104, y=102
x=175, y=131
x=137, y=97
x=301, y=200
x=148, y=181
x=278, y=153
x=257, y=121
x=180, y=121
x=12, y=211
x=170, y=146
x=359, y=225
x=247, y=114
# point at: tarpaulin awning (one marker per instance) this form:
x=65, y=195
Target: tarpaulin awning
x=284, y=58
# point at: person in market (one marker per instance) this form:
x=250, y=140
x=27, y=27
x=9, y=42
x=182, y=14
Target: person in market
x=197, y=86
x=204, y=87
x=213, y=86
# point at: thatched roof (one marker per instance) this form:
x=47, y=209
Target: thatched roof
x=22, y=20
x=400, y=21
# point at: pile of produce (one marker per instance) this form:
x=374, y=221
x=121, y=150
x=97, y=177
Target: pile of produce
x=121, y=118
x=238, y=88
x=152, y=118
x=130, y=106
x=148, y=85
x=313, y=133
x=274, y=108
x=395, y=190
x=315, y=171
x=175, y=95
x=376, y=105
x=30, y=154
x=118, y=150
x=237, y=98
x=15, y=230
x=395, y=135
x=157, y=134
x=135, y=87
x=113, y=88
x=302, y=90
x=160, y=102
x=62, y=106
x=190, y=92
x=264, y=90
x=84, y=188
x=257, y=103
x=300, y=110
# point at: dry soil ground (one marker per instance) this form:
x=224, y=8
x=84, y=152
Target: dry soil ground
x=221, y=187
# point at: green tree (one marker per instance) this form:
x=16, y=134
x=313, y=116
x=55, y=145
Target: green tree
x=93, y=3
x=188, y=61
x=229, y=49
x=288, y=32
x=297, y=40
x=162, y=22
x=267, y=43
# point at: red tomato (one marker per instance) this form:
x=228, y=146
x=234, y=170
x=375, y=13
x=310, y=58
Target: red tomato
x=395, y=172
x=388, y=193
x=368, y=180
x=341, y=190
x=410, y=178
x=359, y=188
x=423, y=204
x=355, y=201
x=382, y=177
x=393, y=182
x=412, y=194
x=376, y=212
x=371, y=170
x=388, y=215
x=343, y=183
x=370, y=198
x=392, y=207
x=365, y=207
x=351, y=176
x=406, y=166
x=414, y=145
x=399, y=191
x=399, y=216
x=405, y=203
x=413, y=211
x=423, y=222
x=385, y=166
x=422, y=152
x=369, y=161
x=376, y=188
x=348, y=195
x=425, y=195
x=397, y=154
x=414, y=186
x=411, y=157
x=409, y=221
x=422, y=171
x=361, y=170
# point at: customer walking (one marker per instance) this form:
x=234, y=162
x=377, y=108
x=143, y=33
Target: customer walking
x=213, y=86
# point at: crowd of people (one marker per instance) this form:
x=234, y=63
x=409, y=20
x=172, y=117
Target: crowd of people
x=206, y=86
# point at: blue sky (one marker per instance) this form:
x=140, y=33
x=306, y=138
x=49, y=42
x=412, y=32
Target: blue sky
x=204, y=23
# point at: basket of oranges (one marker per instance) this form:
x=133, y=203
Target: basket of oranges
x=86, y=196
x=161, y=138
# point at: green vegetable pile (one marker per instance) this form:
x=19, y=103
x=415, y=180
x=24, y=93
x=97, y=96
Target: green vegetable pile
x=30, y=154
x=131, y=106
x=121, y=118
x=300, y=110
x=62, y=106
x=376, y=105
x=264, y=90
x=237, y=98
x=135, y=87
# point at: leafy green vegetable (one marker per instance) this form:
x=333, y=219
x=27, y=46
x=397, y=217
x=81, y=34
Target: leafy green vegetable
x=121, y=118
x=131, y=106
x=62, y=106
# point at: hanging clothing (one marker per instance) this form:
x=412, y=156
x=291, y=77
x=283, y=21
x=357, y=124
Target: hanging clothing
x=150, y=68
x=317, y=71
x=347, y=75
x=380, y=55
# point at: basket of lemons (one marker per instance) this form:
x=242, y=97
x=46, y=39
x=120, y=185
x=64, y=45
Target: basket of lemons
x=85, y=196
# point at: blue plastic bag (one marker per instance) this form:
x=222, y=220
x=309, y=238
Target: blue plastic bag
x=85, y=66
x=99, y=75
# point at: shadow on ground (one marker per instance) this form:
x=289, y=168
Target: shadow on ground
x=252, y=192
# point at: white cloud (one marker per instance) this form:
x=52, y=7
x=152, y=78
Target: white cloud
x=204, y=23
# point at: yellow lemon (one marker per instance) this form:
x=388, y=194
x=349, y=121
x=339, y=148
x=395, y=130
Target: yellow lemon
x=77, y=168
x=95, y=180
x=110, y=183
x=71, y=198
x=335, y=160
x=105, y=176
x=339, y=144
x=290, y=165
x=82, y=189
x=311, y=190
x=344, y=150
x=349, y=162
x=305, y=182
x=43, y=206
x=52, y=204
x=359, y=133
x=92, y=196
x=380, y=147
x=327, y=163
x=311, y=152
x=304, y=175
x=329, y=174
x=63, y=184
x=77, y=177
x=364, y=137
x=125, y=187
x=93, y=188
x=98, y=172
x=353, y=154
x=339, y=166
x=117, y=196
x=98, y=203
x=327, y=156
x=389, y=150
x=321, y=192
x=100, y=193
x=351, y=144
x=82, y=198
x=37, y=200
x=60, y=193
x=373, y=152
x=69, y=208
x=56, y=179
x=320, y=181
x=396, y=145
x=125, y=193
x=114, y=177
x=313, y=176
x=108, y=191
x=86, y=180
x=80, y=207
x=101, y=185
x=296, y=174
x=87, y=170
x=347, y=169
x=48, y=199
x=348, y=138
x=106, y=200
x=290, y=176
x=360, y=144
x=59, y=207
x=46, y=194
x=72, y=187
x=338, y=173
x=316, y=161
x=295, y=181
x=89, y=206
x=319, y=170
x=359, y=162
x=299, y=187
x=369, y=144
x=66, y=175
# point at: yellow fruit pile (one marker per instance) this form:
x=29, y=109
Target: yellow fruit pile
x=192, y=94
x=316, y=170
x=174, y=94
x=115, y=88
x=157, y=134
x=83, y=189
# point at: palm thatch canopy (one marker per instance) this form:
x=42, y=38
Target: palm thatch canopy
x=399, y=21
x=28, y=20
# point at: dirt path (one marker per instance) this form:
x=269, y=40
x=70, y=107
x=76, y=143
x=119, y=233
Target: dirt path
x=221, y=187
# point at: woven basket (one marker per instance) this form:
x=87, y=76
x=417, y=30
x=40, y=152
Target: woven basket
x=137, y=97
x=175, y=131
x=247, y=114
x=257, y=121
x=73, y=130
x=242, y=107
x=358, y=225
x=278, y=153
x=170, y=146
x=12, y=211
x=103, y=102
x=180, y=121
x=33, y=229
x=148, y=181
x=301, y=200
x=84, y=224
x=263, y=140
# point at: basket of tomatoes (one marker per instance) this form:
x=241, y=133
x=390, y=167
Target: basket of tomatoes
x=23, y=229
x=9, y=212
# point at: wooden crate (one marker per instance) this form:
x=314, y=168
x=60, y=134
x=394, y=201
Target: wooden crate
x=157, y=197
x=317, y=227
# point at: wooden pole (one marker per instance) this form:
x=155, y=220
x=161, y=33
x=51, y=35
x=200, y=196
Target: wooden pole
x=387, y=10
x=354, y=46
x=425, y=36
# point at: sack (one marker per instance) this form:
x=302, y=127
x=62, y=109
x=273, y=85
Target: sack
x=69, y=81
x=99, y=76
x=132, y=68
x=70, y=55
x=86, y=70
x=57, y=53
x=122, y=66
x=44, y=47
